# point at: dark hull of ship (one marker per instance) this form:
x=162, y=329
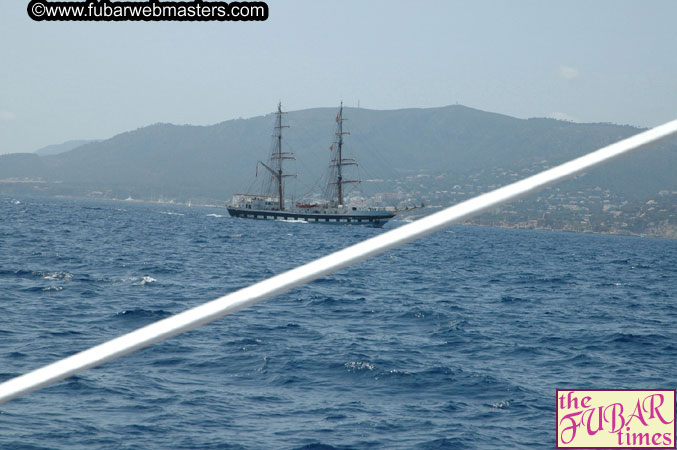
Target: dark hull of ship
x=370, y=218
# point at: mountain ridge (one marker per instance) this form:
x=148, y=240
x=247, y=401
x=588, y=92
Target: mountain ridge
x=55, y=149
x=215, y=161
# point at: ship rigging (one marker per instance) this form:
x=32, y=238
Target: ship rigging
x=270, y=204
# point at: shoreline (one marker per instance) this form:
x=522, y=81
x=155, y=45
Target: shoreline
x=665, y=231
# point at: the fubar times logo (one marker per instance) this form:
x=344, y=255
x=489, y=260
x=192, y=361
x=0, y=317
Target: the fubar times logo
x=621, y=418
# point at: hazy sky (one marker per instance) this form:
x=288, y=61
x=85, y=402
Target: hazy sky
x=589, y=61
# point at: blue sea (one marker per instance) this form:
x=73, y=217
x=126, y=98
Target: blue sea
x=456, y=341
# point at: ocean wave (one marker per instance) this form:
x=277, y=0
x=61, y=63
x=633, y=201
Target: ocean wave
x=145, y=280
x=62, y=276
x=449, y=343
x=357, y=366
x=141, y=314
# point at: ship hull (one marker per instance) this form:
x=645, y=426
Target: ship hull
x=373, y=218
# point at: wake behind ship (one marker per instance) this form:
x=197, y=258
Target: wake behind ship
x=271, y=205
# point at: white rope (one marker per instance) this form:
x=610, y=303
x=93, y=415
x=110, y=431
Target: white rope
x=278, y=284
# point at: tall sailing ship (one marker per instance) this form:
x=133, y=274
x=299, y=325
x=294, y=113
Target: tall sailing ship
x=271, y=205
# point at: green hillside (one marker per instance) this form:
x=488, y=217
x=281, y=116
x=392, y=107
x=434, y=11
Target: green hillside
x=448, y=143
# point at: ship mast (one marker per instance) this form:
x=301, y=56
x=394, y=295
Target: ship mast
x=339, y=165
x=277, y=156
x=339, y=161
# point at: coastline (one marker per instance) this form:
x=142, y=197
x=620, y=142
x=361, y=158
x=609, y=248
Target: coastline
x=661, y=230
